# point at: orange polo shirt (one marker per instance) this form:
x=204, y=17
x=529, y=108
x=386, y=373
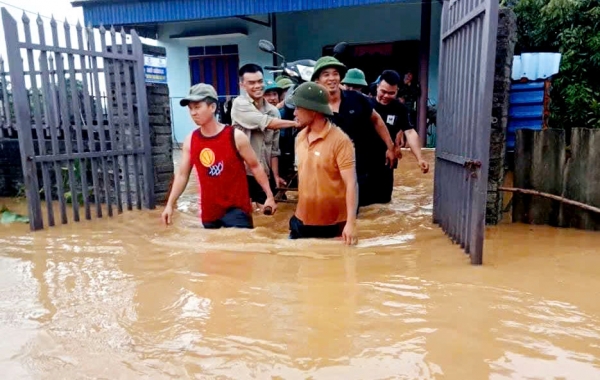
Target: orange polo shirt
x=321, y=189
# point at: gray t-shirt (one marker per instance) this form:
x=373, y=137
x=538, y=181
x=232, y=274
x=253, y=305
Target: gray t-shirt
x=253, y=119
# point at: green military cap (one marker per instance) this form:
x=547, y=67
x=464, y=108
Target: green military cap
x=272, y=86
x=284, y=83
x=312, y=96
x=327, y=62
x=355, y=77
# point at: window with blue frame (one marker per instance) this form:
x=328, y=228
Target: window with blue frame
x=217, y=66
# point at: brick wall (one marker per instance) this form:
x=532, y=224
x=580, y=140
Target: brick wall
x=161, y=138
x=505, y=46
x=11, y=174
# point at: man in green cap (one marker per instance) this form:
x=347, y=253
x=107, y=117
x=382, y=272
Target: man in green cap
x=285, y=84
x=220, y=155
x=327, y=188
x=287, y=136
x=355, y=115
x=355, y=80
x=272, y=92
x=272, y=138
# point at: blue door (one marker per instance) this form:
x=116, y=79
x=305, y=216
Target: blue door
x=217, y=66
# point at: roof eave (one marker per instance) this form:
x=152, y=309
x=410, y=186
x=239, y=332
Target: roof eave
x=140, y=12
x=80, y=3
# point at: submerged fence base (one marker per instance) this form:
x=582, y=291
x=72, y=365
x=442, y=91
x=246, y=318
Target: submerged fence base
x=541, y=164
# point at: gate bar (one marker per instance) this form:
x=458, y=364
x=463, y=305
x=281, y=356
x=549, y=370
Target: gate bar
x=39, y=125
x=23, y=116
x=66, y=119
x=135, y=158
x=465, y=20
x=144, y=123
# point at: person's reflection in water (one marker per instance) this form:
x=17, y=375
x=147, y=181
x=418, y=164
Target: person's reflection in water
x=328, y=311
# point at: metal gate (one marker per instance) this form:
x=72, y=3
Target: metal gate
x=81, y=119
x=466, y=77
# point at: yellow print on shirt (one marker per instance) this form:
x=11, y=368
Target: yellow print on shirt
x=207, y=157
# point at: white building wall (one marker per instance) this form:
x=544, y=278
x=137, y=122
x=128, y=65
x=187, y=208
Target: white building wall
x=178, y=72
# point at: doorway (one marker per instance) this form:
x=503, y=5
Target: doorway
x=374, y=58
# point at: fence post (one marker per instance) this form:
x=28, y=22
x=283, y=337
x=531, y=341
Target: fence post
x=142, y=114
x=23, y=120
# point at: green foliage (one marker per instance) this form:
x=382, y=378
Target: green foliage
x=571, y=27
x=8, y=100
x=77, y=178
x=7, y=217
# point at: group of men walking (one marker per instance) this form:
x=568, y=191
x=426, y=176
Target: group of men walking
x=345, y=148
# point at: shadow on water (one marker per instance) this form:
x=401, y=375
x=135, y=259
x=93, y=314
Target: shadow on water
x=129, y=298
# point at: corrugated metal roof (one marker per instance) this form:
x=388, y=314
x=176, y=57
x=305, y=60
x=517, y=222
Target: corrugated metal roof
x=535, y=66
x=158, y=11
x=526, y=109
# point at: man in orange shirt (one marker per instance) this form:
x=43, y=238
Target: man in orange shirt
x=327, y=187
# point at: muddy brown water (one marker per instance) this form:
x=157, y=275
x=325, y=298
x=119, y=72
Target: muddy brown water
x=126, y=298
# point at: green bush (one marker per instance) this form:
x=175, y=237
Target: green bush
x=572, y=28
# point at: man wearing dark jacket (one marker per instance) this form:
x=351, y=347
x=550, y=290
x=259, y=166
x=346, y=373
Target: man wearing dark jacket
x=396, y=117
x=355, y=115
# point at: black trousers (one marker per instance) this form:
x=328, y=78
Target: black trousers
x=233, y=218
x=299, y=230
x=375, y=186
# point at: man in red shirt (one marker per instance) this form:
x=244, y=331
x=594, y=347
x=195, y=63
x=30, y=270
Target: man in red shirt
x=218, y=152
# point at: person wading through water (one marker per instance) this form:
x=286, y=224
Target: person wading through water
x=285, y=84
x=287, y=136
x=260, y=122
x=272, y=94
x=218, y=152
x=327, y=188
x=396, y=117
x=355, y=115
x=408, y=94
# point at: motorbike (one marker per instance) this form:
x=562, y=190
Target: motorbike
x=298, y=72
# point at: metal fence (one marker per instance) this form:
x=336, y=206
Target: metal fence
x=466, y=77
x=86, y=150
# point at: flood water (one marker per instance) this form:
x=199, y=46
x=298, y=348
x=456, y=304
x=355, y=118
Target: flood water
x=127, y=298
